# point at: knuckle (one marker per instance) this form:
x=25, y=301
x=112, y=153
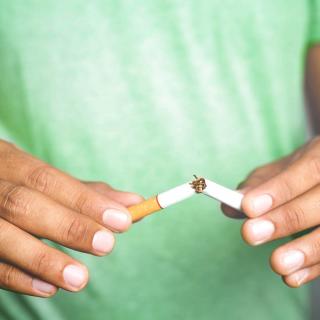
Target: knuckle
x=285, y=189
x=76, y=231
x=41, y=178
x=14, y=200
x=8, y=276
x=294, y=218
x=42, y=263
x=314, y=166
x=81, y=202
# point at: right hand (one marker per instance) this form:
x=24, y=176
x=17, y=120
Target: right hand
x=37, y=200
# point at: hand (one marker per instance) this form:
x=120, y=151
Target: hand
x=37, y=200
x=281, y=199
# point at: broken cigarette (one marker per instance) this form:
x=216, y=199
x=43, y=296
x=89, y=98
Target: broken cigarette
x=228, y=196
x=198, y=185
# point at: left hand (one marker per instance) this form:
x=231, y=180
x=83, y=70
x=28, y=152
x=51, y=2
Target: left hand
x=281, y=199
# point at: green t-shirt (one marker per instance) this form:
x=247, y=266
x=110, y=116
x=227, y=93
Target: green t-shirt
x=142, y=94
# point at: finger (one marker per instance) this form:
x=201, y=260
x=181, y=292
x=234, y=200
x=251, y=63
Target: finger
x=243, y=187
x=303, y=276
x=37, y=214
x=23, y=169
x=254, y=179
x=297, y=215
x=298, y=254
x=33, y=256
x=263, y=173
x=13, y=279
x=127, y=199
x=298, y=178
x=231, y=212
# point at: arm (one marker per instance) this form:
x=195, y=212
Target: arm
x=313, y=87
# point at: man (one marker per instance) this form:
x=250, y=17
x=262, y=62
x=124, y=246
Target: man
x=142, y=94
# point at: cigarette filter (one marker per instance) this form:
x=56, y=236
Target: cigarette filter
x=161, y=201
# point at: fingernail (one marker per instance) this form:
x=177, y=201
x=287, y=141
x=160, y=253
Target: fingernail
x=42, y=286
x=74, y=276
x=300, y=276
x=262, y=204
x=292, y=260
x=260, y=231
x=103, y=241
x=116, y=219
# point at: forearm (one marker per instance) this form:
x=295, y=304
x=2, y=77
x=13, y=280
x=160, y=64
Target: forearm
x=313, y=87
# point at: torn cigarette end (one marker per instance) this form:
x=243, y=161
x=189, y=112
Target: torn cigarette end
x=199, y=184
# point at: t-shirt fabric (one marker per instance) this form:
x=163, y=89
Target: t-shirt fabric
x=143, y=94
x=315, y=22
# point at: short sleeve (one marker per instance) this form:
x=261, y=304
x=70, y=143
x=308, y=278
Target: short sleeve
x=315, y=22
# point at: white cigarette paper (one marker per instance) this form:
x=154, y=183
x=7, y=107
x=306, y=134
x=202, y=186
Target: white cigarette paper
x=175, y=195
x=230, y=197
x=161, y=201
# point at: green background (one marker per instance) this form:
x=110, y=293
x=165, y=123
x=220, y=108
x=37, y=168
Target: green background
x=142, y=94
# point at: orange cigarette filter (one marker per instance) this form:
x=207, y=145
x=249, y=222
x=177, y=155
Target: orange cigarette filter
x=144, y=208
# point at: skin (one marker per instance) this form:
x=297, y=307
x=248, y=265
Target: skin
x=289, y=193
x=39, y=201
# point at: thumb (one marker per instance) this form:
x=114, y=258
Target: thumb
x=254, y=179
x=231, y=212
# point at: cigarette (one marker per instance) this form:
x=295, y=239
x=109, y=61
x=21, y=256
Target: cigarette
x=161, y=201
x=228, y=196
x=199, y=185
